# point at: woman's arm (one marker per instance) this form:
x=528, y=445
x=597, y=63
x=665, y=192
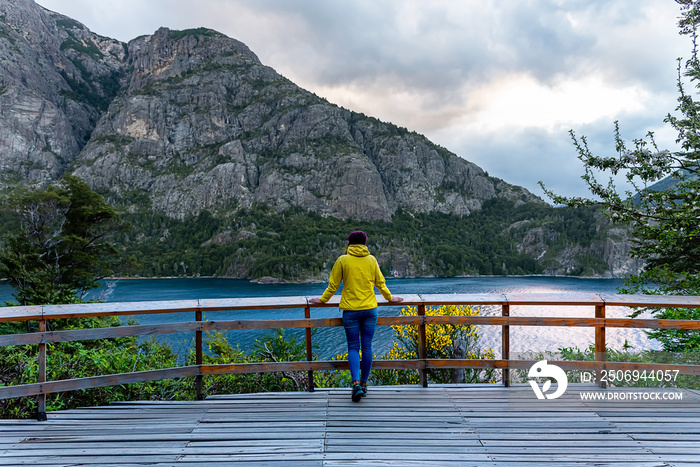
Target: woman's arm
x=380, y=283
x=333, y=282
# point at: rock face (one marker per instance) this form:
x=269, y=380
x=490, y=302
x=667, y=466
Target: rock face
x=616, y=253
x=183, y=121
x=202, y=124
x=611, y=249
x=57, y=78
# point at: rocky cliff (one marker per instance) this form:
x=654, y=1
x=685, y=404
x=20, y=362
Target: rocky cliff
x=57, y=78
x=587, y=243
x=184, y=121
x=202, y=124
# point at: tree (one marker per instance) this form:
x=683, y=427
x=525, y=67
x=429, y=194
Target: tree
x=58, y=244
x=662, y=207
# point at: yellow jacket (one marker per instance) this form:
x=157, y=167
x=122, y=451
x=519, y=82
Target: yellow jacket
x=359, y=273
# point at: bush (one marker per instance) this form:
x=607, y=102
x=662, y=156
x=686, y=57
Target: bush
x=69, y=360
x=274, y=347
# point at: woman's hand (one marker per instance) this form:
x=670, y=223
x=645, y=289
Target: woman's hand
x=396, y=299
x=315, y=300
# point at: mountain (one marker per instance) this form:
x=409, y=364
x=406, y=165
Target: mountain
x=195, y=121
x=57, y=79
x=203, y=124
x=187, y=131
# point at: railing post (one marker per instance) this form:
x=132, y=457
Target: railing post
x=199, y=385
x=41, y=398
x=309, y=349
x=600, y=355
x=505, y=346
x=422, y=347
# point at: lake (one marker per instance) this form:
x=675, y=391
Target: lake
x=331, y=341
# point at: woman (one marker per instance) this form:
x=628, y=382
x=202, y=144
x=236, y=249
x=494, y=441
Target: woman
x=360, y=274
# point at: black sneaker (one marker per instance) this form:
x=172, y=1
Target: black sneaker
x=364, y=391
x=356, y=393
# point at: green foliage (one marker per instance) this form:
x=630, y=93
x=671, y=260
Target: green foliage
x=84, y=91
x=85, y=47
x=67, y=360
x=4, y=34
x=118, y=141
x=56, y=242
x=97, y=91
x=110, y=85
x=274, y=347
x=664, y=218
x=677, y=340
x=298, y=244
x=68, y=23
x=177, y=35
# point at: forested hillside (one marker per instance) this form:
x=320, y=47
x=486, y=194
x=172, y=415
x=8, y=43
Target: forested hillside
x=299, y=245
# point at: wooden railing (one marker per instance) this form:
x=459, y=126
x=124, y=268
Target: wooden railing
x=598, y=302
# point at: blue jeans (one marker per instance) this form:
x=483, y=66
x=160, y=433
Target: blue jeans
x=359, y=329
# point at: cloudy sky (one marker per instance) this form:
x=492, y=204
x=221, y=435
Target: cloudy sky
x=498, y=82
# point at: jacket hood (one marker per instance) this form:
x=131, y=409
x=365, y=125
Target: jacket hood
x=358, y=250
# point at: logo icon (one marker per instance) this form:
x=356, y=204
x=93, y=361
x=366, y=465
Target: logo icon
x=542, y=370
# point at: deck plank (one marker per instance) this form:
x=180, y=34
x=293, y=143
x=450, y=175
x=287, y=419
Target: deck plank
x=406, y=426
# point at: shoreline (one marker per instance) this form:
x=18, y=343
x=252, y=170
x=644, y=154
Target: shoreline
x=275, y=280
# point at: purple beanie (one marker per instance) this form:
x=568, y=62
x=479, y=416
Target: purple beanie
x=358, y=237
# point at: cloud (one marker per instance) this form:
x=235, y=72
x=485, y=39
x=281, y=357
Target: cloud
x=522, y=101
x=499, y=83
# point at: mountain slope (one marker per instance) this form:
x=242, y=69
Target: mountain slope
x=203, y=124
x=57, y=78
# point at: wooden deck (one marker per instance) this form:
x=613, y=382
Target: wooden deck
x=443, y=425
